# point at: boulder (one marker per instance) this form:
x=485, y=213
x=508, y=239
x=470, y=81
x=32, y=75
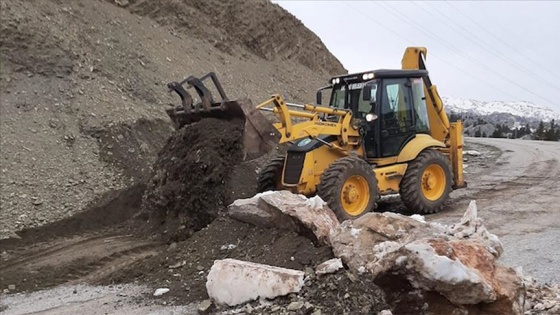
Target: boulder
x=232, y=282
x=283, y=209
x=453, y=266
x=362, y=242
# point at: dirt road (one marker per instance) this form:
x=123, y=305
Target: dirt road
x=518, y=196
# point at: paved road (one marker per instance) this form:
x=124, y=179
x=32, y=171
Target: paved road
x=518, y=196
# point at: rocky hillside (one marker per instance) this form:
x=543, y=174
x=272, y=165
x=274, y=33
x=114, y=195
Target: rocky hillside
x=83, y=88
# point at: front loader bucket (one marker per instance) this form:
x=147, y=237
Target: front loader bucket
x=259, y=135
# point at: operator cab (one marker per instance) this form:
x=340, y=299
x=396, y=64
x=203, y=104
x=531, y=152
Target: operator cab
x=389, y=106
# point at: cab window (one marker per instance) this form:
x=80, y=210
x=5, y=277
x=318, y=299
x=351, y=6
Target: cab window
x=421, y=112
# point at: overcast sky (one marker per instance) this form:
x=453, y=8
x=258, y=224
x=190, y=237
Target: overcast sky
x=479, y=50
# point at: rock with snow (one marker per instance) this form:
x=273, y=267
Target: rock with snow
x=457, y=264
x=283, y=209
x=329, y=266
x=161, y=291
x=362, y=242
x=232, y=282
x=471, y=227
x=258, y=212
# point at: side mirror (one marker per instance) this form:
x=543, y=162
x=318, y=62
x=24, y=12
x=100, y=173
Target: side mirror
x=319, y=98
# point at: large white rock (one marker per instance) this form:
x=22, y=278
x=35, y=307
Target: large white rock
x=283, y=209
x=459, y=262
x=233, y=282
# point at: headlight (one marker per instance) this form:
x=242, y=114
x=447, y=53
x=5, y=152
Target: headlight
x=335, y=81
x=371, y=117
x=367, y=76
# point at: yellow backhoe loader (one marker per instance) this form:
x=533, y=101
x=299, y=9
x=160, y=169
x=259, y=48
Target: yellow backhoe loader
x=383, y=132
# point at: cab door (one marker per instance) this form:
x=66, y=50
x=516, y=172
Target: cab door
x=396, y=119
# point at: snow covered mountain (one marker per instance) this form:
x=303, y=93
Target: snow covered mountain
x=521, y=109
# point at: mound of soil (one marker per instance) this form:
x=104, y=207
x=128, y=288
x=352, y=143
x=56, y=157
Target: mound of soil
x=183, y=266
x=188, y=186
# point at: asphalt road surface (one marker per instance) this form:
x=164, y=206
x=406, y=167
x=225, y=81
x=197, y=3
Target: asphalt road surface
x=518, y=196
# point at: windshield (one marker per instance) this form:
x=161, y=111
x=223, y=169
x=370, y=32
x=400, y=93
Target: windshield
x=355, y=90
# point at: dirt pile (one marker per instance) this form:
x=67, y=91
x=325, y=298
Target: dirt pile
x=83, y=88
x=183, y=266
x=188, y=187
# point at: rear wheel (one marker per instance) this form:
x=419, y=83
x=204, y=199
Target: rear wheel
x=349, y=187
x=270, y=175
x=426, y=185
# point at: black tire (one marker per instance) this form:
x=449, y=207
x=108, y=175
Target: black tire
x=333, y=181
x=269, y=176
x=411, y=187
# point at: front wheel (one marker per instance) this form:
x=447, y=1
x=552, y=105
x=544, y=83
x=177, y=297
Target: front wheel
x=426, y=185
x=270, y=175
x=349, y=187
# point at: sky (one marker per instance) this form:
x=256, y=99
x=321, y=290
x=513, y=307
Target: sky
x=481, y=50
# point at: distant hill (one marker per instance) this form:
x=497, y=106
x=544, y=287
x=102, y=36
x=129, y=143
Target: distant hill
x=501, y=111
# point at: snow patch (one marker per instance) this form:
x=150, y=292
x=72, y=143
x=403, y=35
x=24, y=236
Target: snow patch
x=441, y=268
x=315, y=202
x=419, y=218
x=264, y=193
x=354, y=232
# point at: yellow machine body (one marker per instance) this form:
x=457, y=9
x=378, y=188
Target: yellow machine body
x=335, y=133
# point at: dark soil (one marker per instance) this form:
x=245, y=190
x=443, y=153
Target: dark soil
x=190, y=177
x=110, y=210
x=192, y=259
x=339, y=293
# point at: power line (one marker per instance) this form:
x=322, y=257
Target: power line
x=437, y=57
x=475, y=39
x=462, y=53
x=501, y=40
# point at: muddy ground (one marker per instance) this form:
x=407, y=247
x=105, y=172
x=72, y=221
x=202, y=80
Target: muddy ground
x=517, y=203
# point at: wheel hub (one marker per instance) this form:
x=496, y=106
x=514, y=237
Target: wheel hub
x=429, y=181
x=355, y=195
x=351, y=194
x=433, y=182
